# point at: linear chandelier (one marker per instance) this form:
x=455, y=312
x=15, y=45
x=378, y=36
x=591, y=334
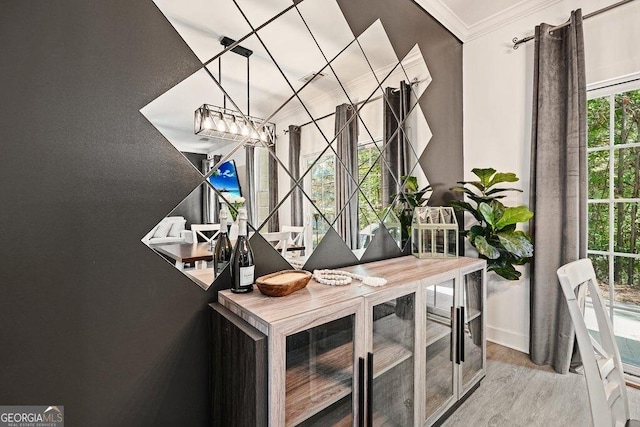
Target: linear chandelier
x=232, y=125
x=225, y=123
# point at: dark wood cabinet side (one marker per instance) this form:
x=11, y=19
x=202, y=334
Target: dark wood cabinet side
x=238, y=371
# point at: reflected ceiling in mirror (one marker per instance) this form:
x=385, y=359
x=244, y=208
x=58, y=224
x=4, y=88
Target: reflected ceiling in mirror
x=349, y=131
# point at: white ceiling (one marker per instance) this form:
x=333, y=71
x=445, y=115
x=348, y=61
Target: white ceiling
x=468, y=19
x=202, y=23
x=356, y=68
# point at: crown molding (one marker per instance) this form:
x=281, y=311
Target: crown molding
x=507, y=16
x=466, y=32
x=446, y=17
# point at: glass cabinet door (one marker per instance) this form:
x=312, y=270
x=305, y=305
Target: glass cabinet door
x=473, y=357
x=393, y=362
x=440, y=363
x=319, y=375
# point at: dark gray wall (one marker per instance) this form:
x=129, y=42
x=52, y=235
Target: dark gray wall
x=90, y=318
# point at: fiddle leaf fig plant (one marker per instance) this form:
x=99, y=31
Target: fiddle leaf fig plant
x=495, y=236
x=408, y=199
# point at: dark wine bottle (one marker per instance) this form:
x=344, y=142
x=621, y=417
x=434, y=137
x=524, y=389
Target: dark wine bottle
x=222, y=251
x=242, y=265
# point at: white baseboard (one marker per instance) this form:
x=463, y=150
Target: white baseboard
x=508, y=339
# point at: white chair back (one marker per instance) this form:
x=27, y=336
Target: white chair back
x=279, y=240
x=199, y=229
x=602, y=365
x=297, y=234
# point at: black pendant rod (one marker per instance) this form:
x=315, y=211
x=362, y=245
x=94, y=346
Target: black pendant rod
x=517, y=42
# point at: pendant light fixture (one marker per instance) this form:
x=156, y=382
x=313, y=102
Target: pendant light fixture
x=228, y=124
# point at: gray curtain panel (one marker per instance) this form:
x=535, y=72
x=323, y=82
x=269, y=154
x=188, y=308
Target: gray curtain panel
x=209, y=197
x=397, y=150
x=294, y=169
x=274, y=219
x=346, y=129
x=250, y=192
x=558, y=185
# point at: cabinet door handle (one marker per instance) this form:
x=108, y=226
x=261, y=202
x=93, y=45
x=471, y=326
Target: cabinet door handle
x=457, y=329
x=370, y=390
x=452, y=347
x=361, y=391
x=458, y=335
x=462, y=334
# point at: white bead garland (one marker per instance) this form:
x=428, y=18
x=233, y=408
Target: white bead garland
x=341, y=278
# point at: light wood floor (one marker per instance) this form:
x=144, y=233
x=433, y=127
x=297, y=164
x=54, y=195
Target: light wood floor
x=517, y=392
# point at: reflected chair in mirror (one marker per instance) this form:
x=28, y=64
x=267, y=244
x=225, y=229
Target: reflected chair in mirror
x=296, y=240
x=601, y=360
x=367, y=233
x=279, y=240
x=170, y=230
x=199, y=230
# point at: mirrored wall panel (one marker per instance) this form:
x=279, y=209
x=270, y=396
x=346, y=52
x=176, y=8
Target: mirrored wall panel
x=293, y=117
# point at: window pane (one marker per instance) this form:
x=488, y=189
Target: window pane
x=598, y=119
x=626, y=313
x=598, y=226
x=627, y=280
x=369, y=177
x=627, y=109
x=625, y=225
x=601, y=267
x=322, y=194
x=598, y=175
x=627, y=172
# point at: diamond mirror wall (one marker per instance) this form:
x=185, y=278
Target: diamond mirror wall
x=349, y=131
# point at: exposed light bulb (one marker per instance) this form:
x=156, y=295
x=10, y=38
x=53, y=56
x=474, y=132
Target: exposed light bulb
x=233, y=126
x=207, y=121
x=222, y=125
x=263, y=136
x=244, y=128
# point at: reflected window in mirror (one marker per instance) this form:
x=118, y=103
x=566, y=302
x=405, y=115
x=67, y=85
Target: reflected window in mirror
x=322, y=186
x=262, y=184
x=370, y=179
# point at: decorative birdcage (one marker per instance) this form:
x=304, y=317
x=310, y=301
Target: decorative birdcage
x=434, y=232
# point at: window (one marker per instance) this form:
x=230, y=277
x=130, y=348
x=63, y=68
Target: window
x=614, y=208
x=323, y=188
x=370, y=181
x=322, y=193
x=262, y=184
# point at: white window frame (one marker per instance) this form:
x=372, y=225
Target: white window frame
x=610, y=89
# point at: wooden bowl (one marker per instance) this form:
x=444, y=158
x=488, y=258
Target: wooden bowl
x=283, y=282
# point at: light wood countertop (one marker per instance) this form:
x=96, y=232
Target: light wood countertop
x=261, y=311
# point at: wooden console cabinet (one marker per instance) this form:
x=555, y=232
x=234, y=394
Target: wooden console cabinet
x=401, y=354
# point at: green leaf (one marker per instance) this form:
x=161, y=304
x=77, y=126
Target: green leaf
x=484, y=175
x=507, y=271
x=459, y=205
x=484, y=248
x=516, y=243
x=474, y=232
x=511, y=227
x=513, y=216
x=487, y=213
x=503, y=177
x=500, y=190
x=410, y=183
x=498, y=209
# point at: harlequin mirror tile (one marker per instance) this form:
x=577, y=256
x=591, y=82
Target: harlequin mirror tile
x=295, y=118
